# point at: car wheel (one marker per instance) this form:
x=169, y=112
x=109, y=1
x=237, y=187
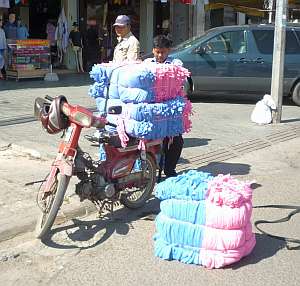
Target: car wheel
x=296, y=94
x=189, y=87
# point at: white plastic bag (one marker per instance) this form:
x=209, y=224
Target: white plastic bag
x=262, y=113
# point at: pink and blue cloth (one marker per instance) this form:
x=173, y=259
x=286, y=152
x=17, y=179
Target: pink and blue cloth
x=204, y=220
x=153, y=101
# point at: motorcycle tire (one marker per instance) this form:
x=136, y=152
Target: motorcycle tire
x=147, y=190
x=53, y=204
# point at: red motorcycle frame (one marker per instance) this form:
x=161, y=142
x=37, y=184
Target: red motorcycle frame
x=104, y=183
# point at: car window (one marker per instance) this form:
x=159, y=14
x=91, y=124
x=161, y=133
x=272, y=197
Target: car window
x=265, y=40
x=292, y=45
x=227, y=43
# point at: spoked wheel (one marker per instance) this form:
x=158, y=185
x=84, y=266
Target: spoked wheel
x=136, y=197
x=51, y=204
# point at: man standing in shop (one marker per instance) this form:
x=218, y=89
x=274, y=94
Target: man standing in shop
x=10, y=27
x=128, y=47
x=75, y=39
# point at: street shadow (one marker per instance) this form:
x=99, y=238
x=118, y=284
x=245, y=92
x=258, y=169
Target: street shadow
x=290, y=120
x=195, y=142
x=216, y=168
x=265, y=247
x=120, y=222
x=65, y=80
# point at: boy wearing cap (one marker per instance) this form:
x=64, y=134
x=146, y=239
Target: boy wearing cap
x=76, y=43
x=128, y=47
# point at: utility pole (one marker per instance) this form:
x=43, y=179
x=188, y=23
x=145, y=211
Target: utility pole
x=271, y=6
x=278, y=58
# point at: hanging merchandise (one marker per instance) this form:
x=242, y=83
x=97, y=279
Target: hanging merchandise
x=193, y=2
x=4, y=4
x=62, y=35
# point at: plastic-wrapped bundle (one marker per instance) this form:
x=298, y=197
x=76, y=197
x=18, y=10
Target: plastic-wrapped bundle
x=151, y=96
x=187, y=186
x=137, y=83
x=210, y=227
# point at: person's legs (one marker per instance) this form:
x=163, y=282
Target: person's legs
x=172, y=154
x=2, y=64
x=80, y=59
x=75, y=50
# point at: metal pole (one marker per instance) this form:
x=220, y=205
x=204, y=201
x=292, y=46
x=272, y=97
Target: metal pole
x=278, y=58
x=271, y=2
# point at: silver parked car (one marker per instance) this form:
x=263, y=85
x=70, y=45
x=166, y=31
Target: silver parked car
x=238, y=59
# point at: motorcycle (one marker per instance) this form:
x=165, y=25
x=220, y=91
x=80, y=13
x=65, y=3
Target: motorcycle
x=127, y=176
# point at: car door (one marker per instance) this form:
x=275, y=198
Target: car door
x=262, y=59
x=215, y=62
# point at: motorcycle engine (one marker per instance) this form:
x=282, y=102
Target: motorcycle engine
x=94, y=189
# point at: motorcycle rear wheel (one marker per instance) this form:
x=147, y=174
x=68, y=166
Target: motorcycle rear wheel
x=129, y=201
x=52, y=204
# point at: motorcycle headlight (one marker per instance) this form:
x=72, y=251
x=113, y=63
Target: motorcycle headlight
x=83, y=119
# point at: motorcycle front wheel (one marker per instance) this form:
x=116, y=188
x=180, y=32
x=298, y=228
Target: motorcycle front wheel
x=51, y=204
x=137, y=198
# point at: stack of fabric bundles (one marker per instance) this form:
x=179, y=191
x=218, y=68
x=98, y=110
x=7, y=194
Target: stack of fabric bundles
x=204, y=220
x=153, y=101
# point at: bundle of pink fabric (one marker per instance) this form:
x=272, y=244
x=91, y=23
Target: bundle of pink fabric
x=213, y=230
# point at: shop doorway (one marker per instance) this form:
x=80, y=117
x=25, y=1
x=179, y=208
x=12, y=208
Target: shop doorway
x=101, y=14
x=161, y=18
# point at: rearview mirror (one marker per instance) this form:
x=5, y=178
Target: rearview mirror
x=39, y=104
x=201, y=50
x=115, y=109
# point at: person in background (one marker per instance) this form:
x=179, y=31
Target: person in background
x=128, y=47
x=10, y=27
x=22, y=31
x=50, y=31
x=172, y=146
x=75, y=39
x=3, y=47
x=92, y=44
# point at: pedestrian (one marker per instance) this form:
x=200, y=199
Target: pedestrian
x=3, y=47
x=75, y=39
x=10, y=27
x=128, y=47
x=92, y=44
x=172, y=146
x=22, y=31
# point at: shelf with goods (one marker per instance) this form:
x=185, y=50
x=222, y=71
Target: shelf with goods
x=28, y=58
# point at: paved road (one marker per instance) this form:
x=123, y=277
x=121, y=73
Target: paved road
x=120, y=250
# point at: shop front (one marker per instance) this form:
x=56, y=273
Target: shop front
x=98, y=16
x=29, y=49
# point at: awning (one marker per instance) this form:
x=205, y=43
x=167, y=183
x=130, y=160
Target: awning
x=250, y=7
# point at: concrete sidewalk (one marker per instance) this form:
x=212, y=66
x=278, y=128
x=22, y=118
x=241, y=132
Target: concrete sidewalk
x=223, y=140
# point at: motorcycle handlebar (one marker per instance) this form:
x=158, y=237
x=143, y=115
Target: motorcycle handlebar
x=48, y=97
x=111, y=124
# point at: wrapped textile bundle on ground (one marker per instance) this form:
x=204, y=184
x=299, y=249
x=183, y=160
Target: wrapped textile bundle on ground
x=153, y=101
x=204, y=220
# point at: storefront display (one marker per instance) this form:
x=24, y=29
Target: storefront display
x=28, y=58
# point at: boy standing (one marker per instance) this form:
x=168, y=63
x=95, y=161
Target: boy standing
x=172, y=146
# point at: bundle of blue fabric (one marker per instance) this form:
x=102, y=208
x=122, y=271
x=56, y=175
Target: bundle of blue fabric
x=204, y=220
x=151, y=96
